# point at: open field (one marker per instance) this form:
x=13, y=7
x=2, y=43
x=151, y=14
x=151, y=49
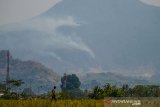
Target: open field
x=71, y=103
x=49, y=103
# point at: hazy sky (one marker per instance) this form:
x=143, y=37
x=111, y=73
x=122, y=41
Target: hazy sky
x=84, y=36
x=152, y=2
x=19, y=10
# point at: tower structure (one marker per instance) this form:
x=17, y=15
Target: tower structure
x=8, y=75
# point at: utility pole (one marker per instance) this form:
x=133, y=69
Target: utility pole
x=65, y=81
x=38, y=91
x=65, y=85
x=7, y=75
x=30, y=88
x=39, y=87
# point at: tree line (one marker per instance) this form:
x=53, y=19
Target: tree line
x=70, y=89
x=71, y=85
x=124, y=91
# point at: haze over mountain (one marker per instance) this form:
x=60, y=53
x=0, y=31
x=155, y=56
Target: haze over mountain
x=36, y=75
x=86, y=36
x=30, y=72
x=91, y=80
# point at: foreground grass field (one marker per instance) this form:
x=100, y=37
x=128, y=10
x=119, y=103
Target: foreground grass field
x=71, y=103
x=49, y=103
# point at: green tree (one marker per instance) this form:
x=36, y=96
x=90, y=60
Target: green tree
x=2, y=87
x=125, y=89
x=70, y=82
x=97, y=93
x=70, y=85
x=140, y=91
x=107, y=90
x=8, y=94
x=16, y=83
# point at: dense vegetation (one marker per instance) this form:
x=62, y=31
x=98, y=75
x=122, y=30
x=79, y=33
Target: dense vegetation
x=73, y=96
x=71, y=87
x=125, y=91
x=71, y=90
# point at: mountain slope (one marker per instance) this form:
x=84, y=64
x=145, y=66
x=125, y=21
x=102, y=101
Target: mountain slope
x=93, y=79
x=122, y=34
x=32, y=73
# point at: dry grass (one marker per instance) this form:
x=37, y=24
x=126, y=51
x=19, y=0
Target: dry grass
x=49, y=103
x=71, y=103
